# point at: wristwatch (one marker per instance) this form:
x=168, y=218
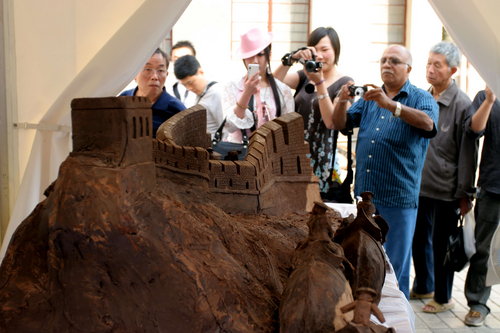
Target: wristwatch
x=397, y=112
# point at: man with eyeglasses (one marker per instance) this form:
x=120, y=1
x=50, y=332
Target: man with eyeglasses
x=395, y=124
x=150, y=83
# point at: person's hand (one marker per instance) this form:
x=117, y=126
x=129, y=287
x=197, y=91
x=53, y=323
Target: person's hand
x=343, y=93
x=490, y=96
x=465, y=205
x=315, y=77
x=306, y=53
x=252, y=84
x=378, y=95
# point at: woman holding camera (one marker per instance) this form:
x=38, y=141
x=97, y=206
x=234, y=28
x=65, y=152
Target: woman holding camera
x=316, y=87
x=256, y=98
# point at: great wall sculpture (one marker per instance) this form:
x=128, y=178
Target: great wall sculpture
x=145, y=235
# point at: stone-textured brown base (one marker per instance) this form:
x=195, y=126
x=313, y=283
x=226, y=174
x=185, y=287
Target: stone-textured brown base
x=102, y=255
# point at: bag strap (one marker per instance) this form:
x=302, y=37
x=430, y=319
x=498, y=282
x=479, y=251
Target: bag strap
x=206, y=89
x=218, y=135
x=350, y=173
x=302, y=81
x=244, y=135
x=176, y=90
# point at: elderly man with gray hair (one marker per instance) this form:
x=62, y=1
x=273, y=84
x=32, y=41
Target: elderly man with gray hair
x=445, y=192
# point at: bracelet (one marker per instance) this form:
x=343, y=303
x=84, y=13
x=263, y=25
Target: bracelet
x=343, y=100
x=320, y=82
x=240, y=106
x=322, y=96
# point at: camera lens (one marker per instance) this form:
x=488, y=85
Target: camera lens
x=311, y=66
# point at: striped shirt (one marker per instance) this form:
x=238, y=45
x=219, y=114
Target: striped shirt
x=390, y=153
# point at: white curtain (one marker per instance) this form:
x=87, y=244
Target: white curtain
x=475, y=27
x=106, y=74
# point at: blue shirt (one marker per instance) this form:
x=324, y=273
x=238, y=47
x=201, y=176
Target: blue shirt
x=390, y=153
x=164, y=107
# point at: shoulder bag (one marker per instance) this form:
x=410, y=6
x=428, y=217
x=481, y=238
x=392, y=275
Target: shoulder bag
x=455, y=257
x=231, y=150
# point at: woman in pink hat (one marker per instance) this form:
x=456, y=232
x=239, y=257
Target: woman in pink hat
x=251, y=101
x=316, y=87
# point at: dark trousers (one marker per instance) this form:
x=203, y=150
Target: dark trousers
x=423, y=257
x=487, y=215
x=436, y=219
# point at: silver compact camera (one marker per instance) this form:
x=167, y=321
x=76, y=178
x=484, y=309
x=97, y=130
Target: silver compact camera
x=357, y=90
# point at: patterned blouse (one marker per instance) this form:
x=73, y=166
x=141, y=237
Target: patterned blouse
x=320, y=138
x=232, y=92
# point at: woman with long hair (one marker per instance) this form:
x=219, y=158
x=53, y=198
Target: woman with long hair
x=253, y=100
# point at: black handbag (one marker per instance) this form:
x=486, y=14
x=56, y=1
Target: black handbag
x=455, y=257
x=230, y=150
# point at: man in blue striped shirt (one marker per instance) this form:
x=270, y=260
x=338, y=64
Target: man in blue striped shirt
x=395, y=124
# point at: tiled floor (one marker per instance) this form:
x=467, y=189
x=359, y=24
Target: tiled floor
x=452, y=321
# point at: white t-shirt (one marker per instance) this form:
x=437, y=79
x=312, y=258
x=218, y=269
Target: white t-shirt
x=185, y=96
x=212, y=101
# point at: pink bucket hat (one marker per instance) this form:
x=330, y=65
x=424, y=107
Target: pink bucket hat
x=254, y=41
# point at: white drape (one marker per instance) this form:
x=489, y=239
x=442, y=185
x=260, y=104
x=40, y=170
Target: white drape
x=475, y=28
x=109, y=71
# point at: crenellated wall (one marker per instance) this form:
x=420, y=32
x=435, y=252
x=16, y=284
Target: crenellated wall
x=274, y=178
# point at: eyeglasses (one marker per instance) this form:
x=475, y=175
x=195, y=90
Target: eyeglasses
x=392, y=61
x=261, y=54
x=150, y=71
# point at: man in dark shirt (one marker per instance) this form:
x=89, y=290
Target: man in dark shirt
x=441, y=192
x=485, y=121
x=150, y=83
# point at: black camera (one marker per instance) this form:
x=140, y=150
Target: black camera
x=357, y=90
x=311, y=66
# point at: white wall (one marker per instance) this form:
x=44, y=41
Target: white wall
x=208, y=25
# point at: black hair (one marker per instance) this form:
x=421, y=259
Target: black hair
x=186, y=66
x=163, y=54
x=272, y=81
x=183, y=43
x=319, y=33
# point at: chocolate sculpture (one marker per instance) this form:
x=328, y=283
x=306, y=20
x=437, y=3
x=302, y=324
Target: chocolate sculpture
x=362, y=241
x=317, y=288
x=142, y=235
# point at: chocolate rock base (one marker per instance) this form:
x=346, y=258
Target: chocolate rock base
x=134, y=238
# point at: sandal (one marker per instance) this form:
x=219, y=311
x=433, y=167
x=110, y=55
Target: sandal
x=414, y=295
x=435, y=307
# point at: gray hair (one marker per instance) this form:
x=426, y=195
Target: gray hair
x=450, y=51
